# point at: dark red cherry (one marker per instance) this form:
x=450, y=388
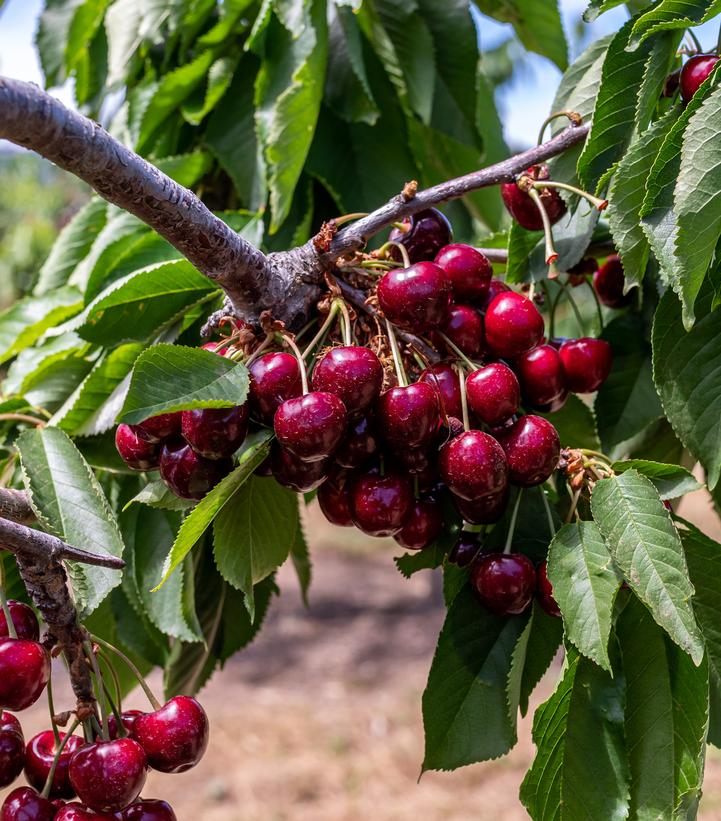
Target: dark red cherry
x=149, y=810
x=473, y=465
x=423, y=235
x=532, y=448
x=414, y=460
x=311, y=426
x=465, y=329
x=523, y=209
x=465, y=549
x=587, y=363
x=24, y=673
x=108, y=775
x=695, y=70
x=128, y=719
x=484, y=511
x=381, y=505
x=468, y=269
x=136, y=452
x=24, y=620
x=77, y=812
x=188, y=474
x=423, y=527
x=334, y=499
x=608, y=282
x=215, y=433
x=352, y=373
x=505, y=583
x=493, y=393
x=24, y=804
x=409, y=416
x=39, y=757
x=175, y=737
x=416, y=299
x=159, y=428
x=540, y=372
x=12, y=749
x=216, y=347
x=544, y=591
x=444, y=378
x=579, y=273
x=359, y=445
x=274, y=377
x=497, y=286
x=294, y=473
x=513, y=325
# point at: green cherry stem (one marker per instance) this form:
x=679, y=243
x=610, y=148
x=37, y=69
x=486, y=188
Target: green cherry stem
x=59, y=747
x=596, y=202
x=402, y=248
x=599, y=310
x=257, y=352
x=551, y=253
x=694, y=39
x=323, y=330
x=458, y=352
x=464, y=398
x=397, y=361
x=133, y=669
x=100, y=688
x=512, y=524
x=574, y=306
x=574, y=117
x=549, y=515
x=51, y=708
x=349, y=218
x=347, y=328
x=301, y=362
x=102, y=656
x=12, y=632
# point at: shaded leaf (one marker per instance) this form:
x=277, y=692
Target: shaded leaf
x=671, y=481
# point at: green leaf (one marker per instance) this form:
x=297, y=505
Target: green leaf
x=60, y=484
x=186, y=169
x=520, y=245
x=220, y=75
x=585, y=583
x=85, y=23
x=671, y=481
x=158, y=494
x=672, y=14
x=170, y=377
x=427, y=559
x=575, y=423
x=300, y=556
x=32, y=363
x=647, y=548
x=128, y=23
x=597, y=7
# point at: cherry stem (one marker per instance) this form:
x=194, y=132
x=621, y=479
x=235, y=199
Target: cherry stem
x=301, y=362
x=397, y=361
x=402, y=248
x=512, y=524
x=694, y=39
x=51, y=708
x=377, y=264
x=574, y=504
x=349, y=217
x=464, y=398
x=598, y=203
x=323, y=330
x=22, y=417
x=133, y=669
x=100, y=688
x=574, y=306
x=574, y=117
x=116, y=681
x=59, y=747
x=347, y=328
x=259, y=350
x=551, y=253
x=549, y=515
x=599, y=310
x=458, y=352
x=597, y=454
x=12, y=632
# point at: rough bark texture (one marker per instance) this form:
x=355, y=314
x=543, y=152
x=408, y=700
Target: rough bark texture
x=14, y=505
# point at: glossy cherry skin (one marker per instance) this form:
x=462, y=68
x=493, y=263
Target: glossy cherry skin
x=408, y=416
x=465, y=329
x=381, y=505
x=513, y=325
x=493, y=393
x=532, y=448
x=609, y=281
x=334, y=499
x=39, y=756
x=497, y=286
x=695, y=70
x=354, y=374
x=188, y=474
x=444, y=378
x=311, y=426
x=473, y=465
x=175, y=737
x=136, y=452
x=465, y=550
x=423, y=527
x=149, y=810
x=359, y=446
x=215, y=347
x=586, y=362
x=159, y=428
x=77, y=812
x=24, y=804
x=468, y=269
x=504, y=583
x=523, y=209
x=484, y=511
x=12, y=749
x=416, y=299
x=24, y=673
x=128, y=719
x=24, y=620
x=108, y=775
x=274, y=377
x=294, y=473
x=544, y=592
x=540, y=372
x=215, y=433
x=423, y=235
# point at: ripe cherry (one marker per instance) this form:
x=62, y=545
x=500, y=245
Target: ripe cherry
x=24, y=620
x=159, y=428
x=188, y=474
x=381, y=505
x=108, y=775
x=497, y=286
x=25, y=804
x=469, y=271
x=359, y=445
x=334, y=499
x=149, y=810
x=493, y=393
x=544, y=591
x=586, y=363
x=505, y=583
x=12, y=749
x=465, y=329
x=513, y=325
x=136, y=452
x=216, y=347
x=274, y=377
x=540, y=372
x=532, y=448
x=408, y=416
x=484, y=511
x=695, y=70
x=311, y=426
x=423, y=235
x=444, y=378
x=24, y=673
x=473, y=465
x=423, y=527
x=39, y=757
x=175, y=737
x=465, y=550
x=77, y=812
x=294, y=473
x=608, y=282
x=416, y=299
x=128, y=719
x=215, y=433
x=352, y=373
x=523, y=209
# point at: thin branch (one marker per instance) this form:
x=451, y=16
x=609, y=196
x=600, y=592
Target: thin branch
x=14, y=505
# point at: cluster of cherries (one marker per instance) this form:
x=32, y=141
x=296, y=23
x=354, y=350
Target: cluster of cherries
x=107, y=773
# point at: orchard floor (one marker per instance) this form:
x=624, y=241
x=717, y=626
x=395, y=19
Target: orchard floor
x=319, y=720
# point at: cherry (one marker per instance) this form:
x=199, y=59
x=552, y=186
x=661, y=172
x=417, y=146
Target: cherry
x=12, y=749
x=294, y=473
x=128, y=719
x=444, y=378
x=505, y=583
x=468, y=269
x=540, y=372
x=586, y=362
x=695, y=70
x=484, y=511
x=159, y=428
x=544, y=591
x=108, y=775
x=149, y=810
x=24, y=620
x=39, y=757
x=497, y=286
x=136, y=452
x=311, y=426
x=423, y=235
x=24, y=672
x=274, y=377
x=493, y=393
x=381, y=505
x=174, y=737
x=216, y=347
x=465, y=329
x=416, y=299
x=215, y=433
x=423, y=527
x=465, y=549
x=414, y=460
x=523, y=209
x=579, y=273
x=359, y=446
x=77, y=812
x=473, y=465
x=408, y=416
x=188, y=474
x=513, y=325
x=334, y=499
x=24, y=804
x=608, y=282
x=352, y=373
x=532, y=448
